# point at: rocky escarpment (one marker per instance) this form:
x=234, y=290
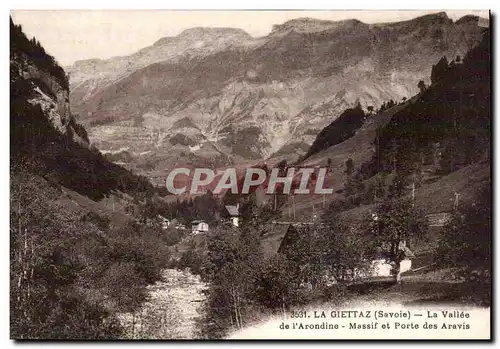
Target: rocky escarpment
x=37, y=79
x=49, y=94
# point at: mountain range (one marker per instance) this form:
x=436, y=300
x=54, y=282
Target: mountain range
x=218, y=96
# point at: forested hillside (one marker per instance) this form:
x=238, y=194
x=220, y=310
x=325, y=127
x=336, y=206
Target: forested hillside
x=74, y=263
x=339, y=130
x=39, y=145
x=449, y=123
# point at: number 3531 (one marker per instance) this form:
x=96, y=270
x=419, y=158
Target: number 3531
x=297, y=314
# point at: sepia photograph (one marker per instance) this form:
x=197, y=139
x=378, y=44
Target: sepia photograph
x=232, y=175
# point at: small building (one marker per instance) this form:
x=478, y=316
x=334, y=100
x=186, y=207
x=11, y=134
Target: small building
x=272, y=236
x=438, y=219
x=199, y=226
x=164, y=222
x=281, y=237
x=382, y=267
x=234, y=212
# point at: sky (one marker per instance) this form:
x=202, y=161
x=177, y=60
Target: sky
x=71, y=35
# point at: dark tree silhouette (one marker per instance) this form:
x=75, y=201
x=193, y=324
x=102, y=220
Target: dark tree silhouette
x=439, y=70
x=338, y=131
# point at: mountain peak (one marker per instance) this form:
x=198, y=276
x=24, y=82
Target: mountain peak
x=204, y=32
x=307, y=24
x=213, y=31
x=482, y=22
x=90, y=61
x=438, y=16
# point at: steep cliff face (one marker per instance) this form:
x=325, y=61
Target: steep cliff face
x=248, y=99
x=45, y=138
x=36, y=77
x=52, y=98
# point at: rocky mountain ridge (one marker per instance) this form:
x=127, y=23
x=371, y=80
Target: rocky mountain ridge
x=218, y=96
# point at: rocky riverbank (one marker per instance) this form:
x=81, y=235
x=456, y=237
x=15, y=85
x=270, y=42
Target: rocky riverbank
x=174, y=305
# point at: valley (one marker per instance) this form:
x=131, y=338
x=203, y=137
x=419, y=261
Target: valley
x=397, y=114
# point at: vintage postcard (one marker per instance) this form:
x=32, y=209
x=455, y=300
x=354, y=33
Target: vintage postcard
x=250, y=175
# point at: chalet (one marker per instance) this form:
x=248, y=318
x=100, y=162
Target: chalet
x=234, y=212
x=272, y=237
x=199, y=226
x=278, y=238
x=164, y=222
x=438, y=219
x=382, y=267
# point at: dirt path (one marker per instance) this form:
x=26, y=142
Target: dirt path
x=415, y=292
x=174, y=305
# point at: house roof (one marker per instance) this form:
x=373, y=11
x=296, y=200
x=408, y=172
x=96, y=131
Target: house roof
x=233, y=210
x=272, y=239
x=198, y=221
x=408, y=252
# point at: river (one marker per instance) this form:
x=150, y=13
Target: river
x=175, y=304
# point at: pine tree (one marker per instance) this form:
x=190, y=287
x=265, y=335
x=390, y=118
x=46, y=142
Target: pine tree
x=439, y=70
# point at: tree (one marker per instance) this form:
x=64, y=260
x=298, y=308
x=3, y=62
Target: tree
x=353, y=185
x=439, y=70
x=466, y=240
x=421, y=85
x=343, y=251
x=52, y=253
x=193, y=260
x=380, y=189
x=342, y=128
x=233, y=260
x=397, y=186
x=249, y=210
x=369, y=194
x=349, y=167
x=282, y=167
x=447, y=162
x=395, y=222
x=277, y=286
x=334, y=208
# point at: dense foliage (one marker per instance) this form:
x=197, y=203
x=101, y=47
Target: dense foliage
x=466, y=242
x=453, y=114
x=339, y=130
x=20, y=44
x=311, y=264
x=396, y=221
x=37, y=144
x=71, y=271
